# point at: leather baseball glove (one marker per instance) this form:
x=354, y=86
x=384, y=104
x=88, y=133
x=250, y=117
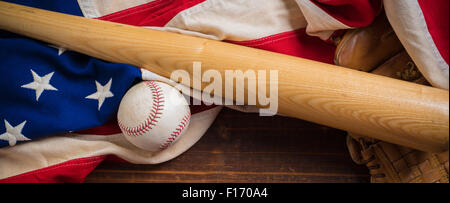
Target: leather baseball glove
x=365, y=49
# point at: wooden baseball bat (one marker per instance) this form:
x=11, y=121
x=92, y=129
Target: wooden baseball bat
x=392, y=110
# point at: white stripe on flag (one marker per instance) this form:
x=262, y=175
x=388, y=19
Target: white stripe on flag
x=98, y=8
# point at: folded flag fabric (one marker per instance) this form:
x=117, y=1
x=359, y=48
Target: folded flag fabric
x=58, y=107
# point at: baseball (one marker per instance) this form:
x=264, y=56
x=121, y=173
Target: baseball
x=153, y=115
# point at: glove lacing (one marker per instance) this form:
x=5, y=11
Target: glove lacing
x=362, y=153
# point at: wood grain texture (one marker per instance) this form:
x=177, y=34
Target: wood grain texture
x=383, y=108
x=241, y=147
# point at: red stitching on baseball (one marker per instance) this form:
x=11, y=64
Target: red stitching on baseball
x=155, y=113
x=176, y=132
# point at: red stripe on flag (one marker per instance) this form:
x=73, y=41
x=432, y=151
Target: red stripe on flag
x=352, y=13
x=295, y=43
x=156, y=13
x=437, y=19
x=73, y=171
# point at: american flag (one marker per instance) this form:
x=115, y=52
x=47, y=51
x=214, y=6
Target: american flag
x=58, y=107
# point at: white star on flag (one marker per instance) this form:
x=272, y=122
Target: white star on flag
x=61, y=50
x=40, y=84
x=102, y=93
x=13, y=134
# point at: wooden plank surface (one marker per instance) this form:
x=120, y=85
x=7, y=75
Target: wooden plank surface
x=243, y=147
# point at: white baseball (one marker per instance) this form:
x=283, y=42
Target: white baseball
x=153, y=115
